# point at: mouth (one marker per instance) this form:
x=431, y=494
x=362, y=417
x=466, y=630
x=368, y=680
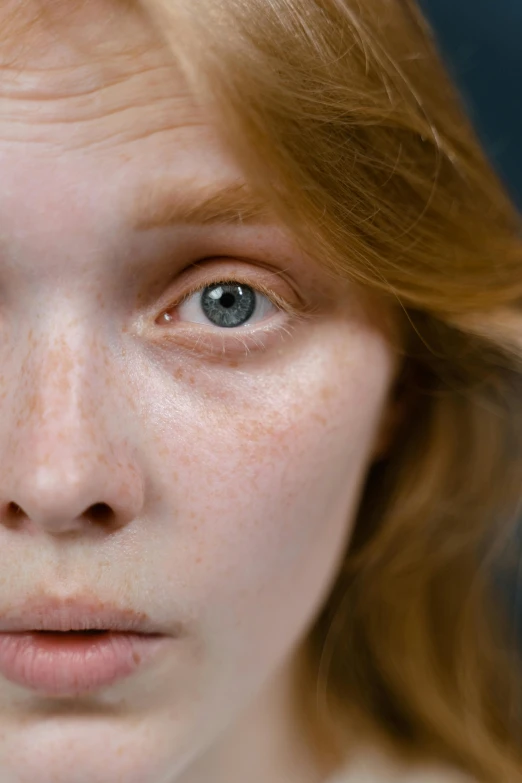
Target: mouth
x=72, y=647
x=71, y=637
x=80, y=613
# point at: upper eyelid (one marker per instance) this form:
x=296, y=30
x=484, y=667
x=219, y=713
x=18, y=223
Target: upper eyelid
x=243, y=278
x=258, y=287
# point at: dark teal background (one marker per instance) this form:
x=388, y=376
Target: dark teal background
x=481, y=43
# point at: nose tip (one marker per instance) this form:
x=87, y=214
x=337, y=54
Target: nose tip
x=71, y=485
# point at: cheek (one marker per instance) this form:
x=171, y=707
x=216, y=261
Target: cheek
x=265, y=494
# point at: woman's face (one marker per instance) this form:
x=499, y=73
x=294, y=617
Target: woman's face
x=204, y=475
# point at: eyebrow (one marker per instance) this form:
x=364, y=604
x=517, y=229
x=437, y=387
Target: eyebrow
x=165, y=203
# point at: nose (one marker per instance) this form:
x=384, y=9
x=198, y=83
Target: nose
x=69, y=467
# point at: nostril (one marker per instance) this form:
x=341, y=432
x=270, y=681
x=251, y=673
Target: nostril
x=13, y=516
x=100, y=512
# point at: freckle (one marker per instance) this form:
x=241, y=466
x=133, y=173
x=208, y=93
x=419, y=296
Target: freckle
x=326, y=392
x=191, y=380
x=136, y=657
x=179, y=374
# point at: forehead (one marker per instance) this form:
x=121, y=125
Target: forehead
x=92, y=99
x=49, y=33
x=96, y=70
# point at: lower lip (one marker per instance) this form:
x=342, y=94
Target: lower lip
x=69, y=664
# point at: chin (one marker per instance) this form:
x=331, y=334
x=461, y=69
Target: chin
x=89, y=749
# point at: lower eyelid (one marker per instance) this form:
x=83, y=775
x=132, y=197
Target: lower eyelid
x=242, y=341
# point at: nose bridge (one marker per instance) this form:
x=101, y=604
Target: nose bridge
x=65, y=446
x=55, y=385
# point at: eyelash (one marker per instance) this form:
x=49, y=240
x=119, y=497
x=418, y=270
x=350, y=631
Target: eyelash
x=219, y=341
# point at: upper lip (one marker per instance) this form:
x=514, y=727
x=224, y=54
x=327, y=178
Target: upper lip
x=74, y=614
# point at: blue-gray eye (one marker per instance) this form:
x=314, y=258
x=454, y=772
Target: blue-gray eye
x=228, y=304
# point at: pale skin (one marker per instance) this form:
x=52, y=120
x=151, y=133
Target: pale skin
x=231, y=467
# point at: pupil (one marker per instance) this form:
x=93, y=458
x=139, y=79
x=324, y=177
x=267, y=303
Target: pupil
x=227, y=300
